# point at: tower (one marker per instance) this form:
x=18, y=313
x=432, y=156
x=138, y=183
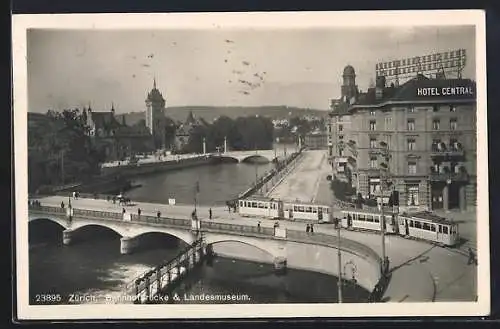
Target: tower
x=349, y=88
x=155, y=116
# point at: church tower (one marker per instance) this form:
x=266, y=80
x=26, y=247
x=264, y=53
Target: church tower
x=155, y=116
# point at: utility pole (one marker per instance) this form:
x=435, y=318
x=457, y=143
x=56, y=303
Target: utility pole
x=384, y=167
x=339, y=256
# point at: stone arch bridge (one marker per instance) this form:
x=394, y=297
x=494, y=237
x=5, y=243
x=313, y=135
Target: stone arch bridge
x=302, y=251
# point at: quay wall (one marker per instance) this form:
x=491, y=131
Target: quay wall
x=154, y=167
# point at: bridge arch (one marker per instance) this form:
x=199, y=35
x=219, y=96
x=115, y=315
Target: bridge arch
x=183, y=235
x=267, y=247
x=256, y=158
x=62, y=222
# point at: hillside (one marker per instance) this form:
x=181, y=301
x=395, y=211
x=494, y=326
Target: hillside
x=209, y=113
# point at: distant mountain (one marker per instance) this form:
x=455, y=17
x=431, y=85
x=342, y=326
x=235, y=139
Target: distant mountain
x=209, y=113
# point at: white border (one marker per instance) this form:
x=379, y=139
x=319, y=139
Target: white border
x=283, y=20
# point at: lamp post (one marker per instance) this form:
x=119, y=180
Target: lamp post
x=339, y=257
x=384, y=168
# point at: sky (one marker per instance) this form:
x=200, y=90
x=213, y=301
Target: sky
x=295, y=67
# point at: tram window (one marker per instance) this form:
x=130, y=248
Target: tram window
x=418, y=225
x=327, y=210
x=369, y=218
x=411, y=223
x=426, y=226
x=445, y=229
x=376, y=219
x=241, y=203
x=315, y=210
x=254, y=204
x=361, y=218
x=401, y=222
x=301, y=209
x=308, y=209
x=295, y=208
x=440, y=229
x=261, y=205
x=433, y=228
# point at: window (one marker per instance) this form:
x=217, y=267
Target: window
x=373, y=125
x=373, y=162
x=372, y=112
x=330, y=129
x=373, y=143
x=435, y=124
x=341, y=119
x=453, y=108
x=412, y=168
x=412, y=194
x=411, y=124
x=426, y=226
x=418, y=224
x=453, y=124
x=445, y=229
x=341, y=128
x=435, y=108
x=411, y=144
x=341, y=137
x=411, y=109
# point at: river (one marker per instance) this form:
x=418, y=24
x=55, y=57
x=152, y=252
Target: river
x=96, y=267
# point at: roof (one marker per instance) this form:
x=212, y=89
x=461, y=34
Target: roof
x=427, y=215
x=349, y=70
x=408, y=92
x=104, y=119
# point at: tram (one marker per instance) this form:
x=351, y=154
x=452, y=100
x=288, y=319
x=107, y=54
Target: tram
x=279, y=209
x=422, y=225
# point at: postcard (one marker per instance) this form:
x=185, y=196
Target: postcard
x=251, y=165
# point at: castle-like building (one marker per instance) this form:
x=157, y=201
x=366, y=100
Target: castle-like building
x=155, y=116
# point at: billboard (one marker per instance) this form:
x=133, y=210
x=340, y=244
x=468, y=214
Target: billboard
x=450, y=62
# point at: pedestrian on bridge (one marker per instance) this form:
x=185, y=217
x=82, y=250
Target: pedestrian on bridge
x=139, y=212
x=158, y=215
x=312, y=228
x=308, y=228
x=210, y=213
x=62, y=204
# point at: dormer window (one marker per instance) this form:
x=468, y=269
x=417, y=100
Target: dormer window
x=372, y=113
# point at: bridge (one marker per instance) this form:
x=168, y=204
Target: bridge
x=257, y=155
x=315, y=252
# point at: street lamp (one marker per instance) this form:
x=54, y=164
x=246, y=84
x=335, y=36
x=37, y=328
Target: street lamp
x=384, y=169
x=339, y=257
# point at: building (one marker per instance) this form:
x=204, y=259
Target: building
x=428, y=127
x=184, y=131
x=115, y=139
x=316, y=140
x=155, y=116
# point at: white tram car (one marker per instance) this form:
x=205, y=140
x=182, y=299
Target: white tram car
x=278, y=209
x=420, y=225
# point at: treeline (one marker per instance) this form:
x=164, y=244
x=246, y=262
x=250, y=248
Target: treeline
x=243, y=133
x=60, y=150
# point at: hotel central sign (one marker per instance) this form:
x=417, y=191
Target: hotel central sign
x=446, y=91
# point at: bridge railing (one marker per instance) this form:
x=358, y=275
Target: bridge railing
x=238, y=228
x=47, y=209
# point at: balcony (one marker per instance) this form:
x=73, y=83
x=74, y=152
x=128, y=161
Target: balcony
x=443, y=150
x=446, y=175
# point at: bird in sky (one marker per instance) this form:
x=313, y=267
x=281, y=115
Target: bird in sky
x=229, y=41
x=145, y=65
x=150, y=55
x=246, y=63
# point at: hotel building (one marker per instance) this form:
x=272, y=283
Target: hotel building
x=428, y=126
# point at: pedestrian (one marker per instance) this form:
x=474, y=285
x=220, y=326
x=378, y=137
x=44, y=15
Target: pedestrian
x=158, y=215
x=312, y=228
x=258, y=225
x=114, y=199
x=210, y=213
x=139, y=212
x=62, y=204
x=386, y=265
x=472, y=257
x=123, y=211
x=308, y=228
